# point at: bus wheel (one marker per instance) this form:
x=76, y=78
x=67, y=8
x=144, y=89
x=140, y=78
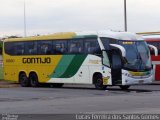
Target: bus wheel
x=24, y=82
x=124, y=87
x=33, y=80
x=57, y=85
x=98, y=82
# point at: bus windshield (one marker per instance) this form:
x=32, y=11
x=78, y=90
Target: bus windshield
x=137, y=55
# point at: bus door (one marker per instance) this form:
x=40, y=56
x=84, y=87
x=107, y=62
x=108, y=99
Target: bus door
x=116, y=67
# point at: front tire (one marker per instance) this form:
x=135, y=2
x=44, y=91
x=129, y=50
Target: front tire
x=98, y=82
x=23, y=80
x=33, y=80
x=124, y=87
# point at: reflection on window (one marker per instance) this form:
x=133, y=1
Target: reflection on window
x=75, y=46
x=14, y=48
x=31, y=48
x=92, y=46
x=60, y=47
x=105, y=59
x=48, y=47
x=19, y=48
x=45, y=47
x=107, y=41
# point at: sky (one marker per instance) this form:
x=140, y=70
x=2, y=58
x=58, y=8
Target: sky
x=50, y=16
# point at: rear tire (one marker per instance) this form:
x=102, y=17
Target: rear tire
x=33, y=80
x=98, y=82
x=23, y=80
x=124, y=87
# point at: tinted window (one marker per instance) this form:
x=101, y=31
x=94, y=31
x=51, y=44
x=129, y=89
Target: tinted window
x=60, y=47
x=75, y=46
x=30, y=48
x=19, y=48
x=14, y=48
x=8, y=48
x=45, y=47
x=91, y=46
x=107, y=41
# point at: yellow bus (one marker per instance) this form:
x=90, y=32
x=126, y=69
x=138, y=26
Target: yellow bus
x=100, y=58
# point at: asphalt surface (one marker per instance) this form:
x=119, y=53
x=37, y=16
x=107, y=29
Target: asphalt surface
x=78, y=99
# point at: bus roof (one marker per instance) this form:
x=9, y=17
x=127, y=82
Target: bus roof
x=55, y=36
x=72, y=35
x=45, y=37
x=121, y=35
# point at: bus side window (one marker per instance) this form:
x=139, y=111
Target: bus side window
x=19, y=48
x=75, y=46
x=9, y=48
x=92, y=46
x=14, y=48
x=31, y=48
x=60, y=47
x=45, y=47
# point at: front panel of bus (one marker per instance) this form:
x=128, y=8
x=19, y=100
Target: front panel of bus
x=135, y=67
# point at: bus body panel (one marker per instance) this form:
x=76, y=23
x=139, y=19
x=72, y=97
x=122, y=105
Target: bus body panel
x=68, y=67
x=129, y=78
x=14, y=65
x=92, y=64
x=55, y=72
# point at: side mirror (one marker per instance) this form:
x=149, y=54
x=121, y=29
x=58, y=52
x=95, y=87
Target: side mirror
x=153, y=49
x=121, y=48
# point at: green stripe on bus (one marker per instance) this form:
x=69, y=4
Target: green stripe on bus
x=62, y=66
x=74, y=66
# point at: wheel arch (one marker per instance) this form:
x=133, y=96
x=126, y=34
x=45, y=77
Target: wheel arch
x=33, y=72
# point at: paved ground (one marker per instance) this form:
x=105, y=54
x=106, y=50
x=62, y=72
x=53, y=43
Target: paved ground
x=7, y=84
x=75, y=99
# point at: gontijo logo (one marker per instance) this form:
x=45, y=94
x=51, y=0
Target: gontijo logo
x=36, y=60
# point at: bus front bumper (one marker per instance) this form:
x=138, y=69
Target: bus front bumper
x=126, y=80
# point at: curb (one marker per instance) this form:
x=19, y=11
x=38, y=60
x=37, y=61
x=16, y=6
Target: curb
x=155, y=83
x=7, y=84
